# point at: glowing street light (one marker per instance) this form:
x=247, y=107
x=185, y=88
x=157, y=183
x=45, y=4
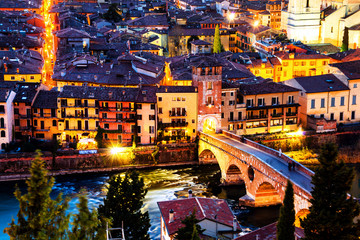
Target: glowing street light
x=117, y=150
x=231, y=16
x=256, y=23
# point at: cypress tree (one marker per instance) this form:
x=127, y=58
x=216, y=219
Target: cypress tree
x=113, y=13
x=285, y=225
x=332, y=212
x=217, y=41
x=345, y=43
x=39, y=216
x=191, y=229
x=123, y=203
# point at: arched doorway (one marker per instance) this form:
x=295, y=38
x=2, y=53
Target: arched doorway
x=300, y=215
x=209, y=125
x=233, y=175
x=266, y=195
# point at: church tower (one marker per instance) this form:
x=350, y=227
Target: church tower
x=304, y=20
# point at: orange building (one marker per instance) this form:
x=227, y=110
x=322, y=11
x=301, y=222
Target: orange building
x=45, y=122
x=117, y=115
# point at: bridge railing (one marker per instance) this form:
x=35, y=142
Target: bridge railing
x=287, y=159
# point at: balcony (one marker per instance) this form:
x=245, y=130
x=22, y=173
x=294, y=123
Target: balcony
x=27, y=128
x=241, y=105
x=44, y=115
x=79, y=105
x=257, y=117
x=276, y=115
x=24, y=116
x=45, y=129
x=115, y=109
x=79, y=116
x=123, y=120
x=177, y=114
x=291, y=114
x=235, y=120
x=173, y=125
x=77, y=129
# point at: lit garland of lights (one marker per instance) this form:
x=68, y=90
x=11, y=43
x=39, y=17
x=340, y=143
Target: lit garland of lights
x=48, y=51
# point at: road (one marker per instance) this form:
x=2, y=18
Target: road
x=299, y=178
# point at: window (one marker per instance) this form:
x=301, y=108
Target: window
x=321, y=115
x=35, y=110
x=152, y=106
x=312, y=103
x=119, y=139
x=261, y=101
x=331, y=116
x=16, y=111
x=54, y=123
x=231, y=103
x=239, y=115
x=352, y=115
x=104, y=115
x=354, y=100
x=223, y=94
x=341, y=117
x=139, y=117
x=151, y=117
x=17, y=122
x=209, y=85
x=139, y=129
x=106, y=136
x=35, y=122
x=160, y=111
x=322, y=103
x=355, y=85
x=290, y=99
x=222, y=103
x=2, y=109
x=2, y=133
x=97, y=123
x=232, y=94
x=286, y=64
x=342, y=101
x=222, y=115
x=12, y=78
x=139, y=106
x=160, y=99
x=106, y=126
x=332, y=102
x=249, y=102
x=183, y=99
x=209, y=100
x=274, y=101
x=53, y=112
x=151, y=129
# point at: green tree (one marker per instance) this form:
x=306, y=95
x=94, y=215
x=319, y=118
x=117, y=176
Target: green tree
x=285, y=225
x=86, y=224
x=332, y=212
x=39, y=216
x=191, y=229
x=345, y=43
x=217, y=41
x=123, y=203
x=113, y=13
x=99, y=137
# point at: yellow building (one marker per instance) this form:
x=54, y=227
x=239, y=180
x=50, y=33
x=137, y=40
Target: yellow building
x=259, y=108
x=78, y=113
x=44, y=115
x=323, y=98
x=285, y=66
x=177, y=113
x=158, y=38
x=22, y=71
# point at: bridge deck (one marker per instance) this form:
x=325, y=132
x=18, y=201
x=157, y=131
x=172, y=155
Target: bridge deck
x=299, y=178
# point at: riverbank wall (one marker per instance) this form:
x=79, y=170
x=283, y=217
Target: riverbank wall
x=16, y=166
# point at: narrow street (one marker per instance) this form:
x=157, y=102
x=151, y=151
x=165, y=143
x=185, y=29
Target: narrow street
x=49, y=51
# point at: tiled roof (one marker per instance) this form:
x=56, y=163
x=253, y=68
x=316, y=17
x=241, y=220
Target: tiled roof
x=321, y=83
x=265, y=88
x=26, y=92
x=72, y=33
x=268, y=233
x=46, y=99
x=216, y=210
x=20, y=41
x=147, y=94
x=4, y=94
x=252, y=29
x=347, y=56
x=150, y=20
x=177, y=89
x=179, y=31
x=350, y=69
x=285, y=55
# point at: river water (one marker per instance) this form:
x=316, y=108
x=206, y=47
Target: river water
x=163, y=184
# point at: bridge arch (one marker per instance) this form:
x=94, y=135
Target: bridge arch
x=266, y=195
x=234, y=175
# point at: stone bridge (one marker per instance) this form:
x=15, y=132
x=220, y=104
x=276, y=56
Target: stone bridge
x=263, y=170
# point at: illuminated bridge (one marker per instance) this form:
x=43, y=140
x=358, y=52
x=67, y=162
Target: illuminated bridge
x=263, y=170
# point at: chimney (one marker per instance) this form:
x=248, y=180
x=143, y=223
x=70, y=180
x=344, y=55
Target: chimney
x=5, y=66
x=110, y=95
x=171, y=216
x=17, y=70
x=190, y=193
x=234, y=224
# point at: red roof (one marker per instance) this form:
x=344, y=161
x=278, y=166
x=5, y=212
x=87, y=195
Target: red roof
x=268, y=233
x=206, y=208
